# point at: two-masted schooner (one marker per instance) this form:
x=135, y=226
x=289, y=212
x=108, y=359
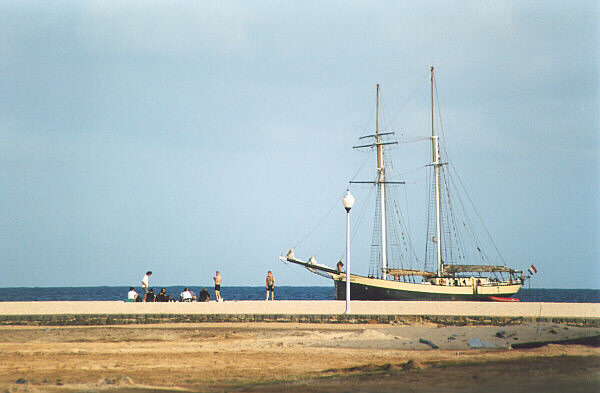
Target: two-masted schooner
x=447, y=274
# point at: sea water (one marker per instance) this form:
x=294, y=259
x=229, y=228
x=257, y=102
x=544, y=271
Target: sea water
x=258, y=293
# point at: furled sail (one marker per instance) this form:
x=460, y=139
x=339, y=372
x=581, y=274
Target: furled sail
x=451, y=269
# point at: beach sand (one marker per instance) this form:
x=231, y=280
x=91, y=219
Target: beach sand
x=291, y=357
x=303, y=307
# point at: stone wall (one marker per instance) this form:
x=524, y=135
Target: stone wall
x=127, y=319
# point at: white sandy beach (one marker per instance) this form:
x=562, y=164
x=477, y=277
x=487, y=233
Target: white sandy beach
x=299, y=307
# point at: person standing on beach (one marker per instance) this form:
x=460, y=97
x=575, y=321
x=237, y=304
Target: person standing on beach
x=270, y=286
x=217, y=279
x=145, y=284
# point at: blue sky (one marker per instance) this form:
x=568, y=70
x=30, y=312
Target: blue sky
x=187, y=137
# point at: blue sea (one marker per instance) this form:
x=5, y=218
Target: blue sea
x=258, y=293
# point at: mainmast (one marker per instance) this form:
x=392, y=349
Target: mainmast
x=381, y=181
x=436, y=165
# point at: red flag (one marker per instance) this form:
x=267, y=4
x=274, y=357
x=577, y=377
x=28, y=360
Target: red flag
x=532, y=270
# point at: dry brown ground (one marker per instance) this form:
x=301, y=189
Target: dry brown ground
x=283, y=357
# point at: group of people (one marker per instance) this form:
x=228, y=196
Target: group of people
x=187, y=295
x=149, y=296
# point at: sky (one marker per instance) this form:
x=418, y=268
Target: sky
x=189, y=137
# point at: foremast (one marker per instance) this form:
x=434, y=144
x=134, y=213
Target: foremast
x=435, y=149
x=381, y=182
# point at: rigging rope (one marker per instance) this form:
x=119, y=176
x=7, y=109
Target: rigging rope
x=418, y=86
x=331, y=172
x=445, y=151
x=407, y=243
x=480, y=219
x=416, y=138
x=360, y=168
x=321, y=221
x=357, y=226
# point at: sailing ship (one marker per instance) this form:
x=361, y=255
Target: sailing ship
x=445, y=275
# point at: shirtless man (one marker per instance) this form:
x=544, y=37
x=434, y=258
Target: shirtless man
x=217, y=279
x=270, y=286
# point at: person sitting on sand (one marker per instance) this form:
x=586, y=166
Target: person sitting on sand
x=186, y=295
x=270, y=286
x=162, y=296
x=150, y=296
x=132, y=295
x=204, y=296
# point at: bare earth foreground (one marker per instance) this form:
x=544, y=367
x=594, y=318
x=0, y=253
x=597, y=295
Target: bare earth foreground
x=291, y=357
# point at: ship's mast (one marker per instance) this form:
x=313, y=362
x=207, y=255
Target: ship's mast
x=381, y=181
x=436, y=165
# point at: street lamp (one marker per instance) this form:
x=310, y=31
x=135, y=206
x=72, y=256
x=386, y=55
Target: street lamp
x=348, y=202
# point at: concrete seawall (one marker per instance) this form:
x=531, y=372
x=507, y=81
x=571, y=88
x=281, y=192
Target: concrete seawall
x=450, y=313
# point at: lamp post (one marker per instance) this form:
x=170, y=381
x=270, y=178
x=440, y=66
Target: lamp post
x=348, y=202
